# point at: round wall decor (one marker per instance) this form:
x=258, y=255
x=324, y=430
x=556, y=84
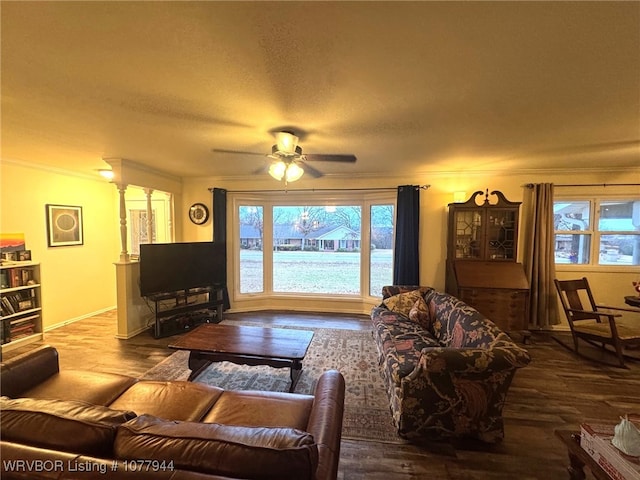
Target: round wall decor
x=198, y=213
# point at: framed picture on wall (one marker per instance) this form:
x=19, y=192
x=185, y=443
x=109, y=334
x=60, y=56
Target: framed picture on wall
x=64, y=225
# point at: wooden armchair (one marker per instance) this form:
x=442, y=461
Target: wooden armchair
x=596, y=324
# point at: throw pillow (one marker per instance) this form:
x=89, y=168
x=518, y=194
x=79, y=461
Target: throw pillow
x=419, y=313
x=403, y=302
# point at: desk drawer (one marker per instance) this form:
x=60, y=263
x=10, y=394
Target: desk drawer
x=507, y=308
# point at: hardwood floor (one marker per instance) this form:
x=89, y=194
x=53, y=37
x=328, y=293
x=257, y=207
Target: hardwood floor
x=559, y=389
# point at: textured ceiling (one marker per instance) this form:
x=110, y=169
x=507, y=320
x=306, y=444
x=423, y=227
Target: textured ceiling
x=418, y=86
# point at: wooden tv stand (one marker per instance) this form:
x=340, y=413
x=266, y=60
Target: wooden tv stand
x=182, y=310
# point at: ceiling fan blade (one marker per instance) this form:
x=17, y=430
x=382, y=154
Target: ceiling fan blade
x=310, y=170
x=238, y=152
x=261, y=170
x=320, y=157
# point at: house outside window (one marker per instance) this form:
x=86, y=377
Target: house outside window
x=597, y=231
x=319, y=247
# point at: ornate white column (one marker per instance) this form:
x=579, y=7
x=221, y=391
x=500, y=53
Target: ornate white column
x=124, y=255
x=148, y=192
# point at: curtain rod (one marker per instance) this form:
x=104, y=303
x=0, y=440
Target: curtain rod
x=418, y=187
x=531, y=185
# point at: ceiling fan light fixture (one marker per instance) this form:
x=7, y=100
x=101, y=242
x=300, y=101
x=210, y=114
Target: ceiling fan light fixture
x=286, y=142
x=293, y=173
x=277, y=169
x=290, y=172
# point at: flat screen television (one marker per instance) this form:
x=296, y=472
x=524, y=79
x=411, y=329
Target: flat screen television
x=171, y=267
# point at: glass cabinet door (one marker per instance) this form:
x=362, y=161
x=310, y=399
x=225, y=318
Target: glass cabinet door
x=487, y=232
x=468, y=234
x=501, y=234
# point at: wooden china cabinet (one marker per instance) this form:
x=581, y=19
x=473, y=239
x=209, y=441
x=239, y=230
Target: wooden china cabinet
x=482, y=269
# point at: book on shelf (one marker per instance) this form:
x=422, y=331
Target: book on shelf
x=20, y=301
x=7, y=306
x=29, y=320
x=14, y=299
x=595, y=439
x=16, y=328
x=29, y=327
x=21, y=332
x=17, y=277
x=5, y=332
x=26, y=276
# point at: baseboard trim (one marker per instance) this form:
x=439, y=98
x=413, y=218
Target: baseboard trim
x=77, y=319
x=132, y=334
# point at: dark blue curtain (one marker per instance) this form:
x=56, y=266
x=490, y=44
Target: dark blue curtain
x=220, y=231
x=406, y=260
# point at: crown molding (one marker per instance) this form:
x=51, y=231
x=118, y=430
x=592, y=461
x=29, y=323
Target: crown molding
x=52, y=169
x=413, y=176
x=404, y=177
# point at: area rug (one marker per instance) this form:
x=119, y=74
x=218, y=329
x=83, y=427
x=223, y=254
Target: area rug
x=353, y=353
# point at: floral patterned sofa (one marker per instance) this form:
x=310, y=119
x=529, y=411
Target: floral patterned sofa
x=446, y=367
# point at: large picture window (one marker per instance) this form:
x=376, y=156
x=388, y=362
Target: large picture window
x=251, y=222
x=382, y=220
x=316, y=249
x=308, y=245
x=597, y=231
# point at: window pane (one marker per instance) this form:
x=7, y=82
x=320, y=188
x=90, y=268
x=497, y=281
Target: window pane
x=468, y=229
x=617, y=216
x=251, y=256
x=620, y=250
x=571, y=215
x=381, y=266
x=138, y=229
x=316, y=249
x=573, y=248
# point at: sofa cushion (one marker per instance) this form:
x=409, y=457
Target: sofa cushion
x=259, y=453
x=400, y=342
x=404, y=352
x=391, y=324
x=261, y=409
x=65, y=425
x=173, y=400
x=458, y=325
x=96, y=388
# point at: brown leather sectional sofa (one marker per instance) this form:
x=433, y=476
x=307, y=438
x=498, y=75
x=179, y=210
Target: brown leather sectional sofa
x=79, y=424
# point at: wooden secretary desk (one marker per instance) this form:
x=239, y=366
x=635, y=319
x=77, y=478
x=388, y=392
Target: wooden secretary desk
x=482, y=270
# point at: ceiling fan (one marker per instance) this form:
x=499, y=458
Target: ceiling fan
x=288, y=161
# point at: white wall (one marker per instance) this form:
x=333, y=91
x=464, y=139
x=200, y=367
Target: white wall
x=77, y=281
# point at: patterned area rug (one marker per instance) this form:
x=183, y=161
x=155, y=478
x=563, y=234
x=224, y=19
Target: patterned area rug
x=353, y=353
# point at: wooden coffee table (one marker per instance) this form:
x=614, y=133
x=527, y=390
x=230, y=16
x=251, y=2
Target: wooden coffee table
x=276, y=347
x=579, y=458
